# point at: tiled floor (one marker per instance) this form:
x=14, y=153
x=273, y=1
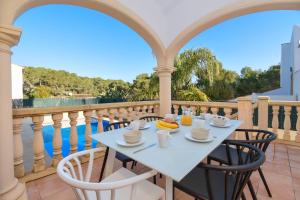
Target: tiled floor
x=282, y=171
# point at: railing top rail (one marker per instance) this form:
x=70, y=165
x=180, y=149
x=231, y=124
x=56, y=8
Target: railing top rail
x=284, y=103
x=26, y=112
x=210, y=104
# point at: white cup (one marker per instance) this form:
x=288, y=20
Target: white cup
x=163, y=138
x=199, y=123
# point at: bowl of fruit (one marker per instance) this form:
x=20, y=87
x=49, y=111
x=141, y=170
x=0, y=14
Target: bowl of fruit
x=167, y=124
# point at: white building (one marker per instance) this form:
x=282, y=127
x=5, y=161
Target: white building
x=289, y=70
x=17, y=81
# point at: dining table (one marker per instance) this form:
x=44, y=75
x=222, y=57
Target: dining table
x=174, y=161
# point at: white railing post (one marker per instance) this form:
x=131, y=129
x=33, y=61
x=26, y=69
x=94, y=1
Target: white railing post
x=88, y=129
x=287, y=123
x=18, y=147
x=38, y=144
x=245, y=112
x=297, y=138
x=73, y=132
x=263, y=112
x=57, y=140
x=275, y=110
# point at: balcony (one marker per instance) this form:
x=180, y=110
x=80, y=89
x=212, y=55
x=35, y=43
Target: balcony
x=37, y=168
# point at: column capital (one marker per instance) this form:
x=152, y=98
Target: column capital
x=164, y=69
x=9, y=35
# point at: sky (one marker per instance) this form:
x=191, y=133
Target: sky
x=92, y=44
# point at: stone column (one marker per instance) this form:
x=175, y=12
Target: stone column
x=164, y=74
x=245, y=112
x=263, y=112
x=10, y=187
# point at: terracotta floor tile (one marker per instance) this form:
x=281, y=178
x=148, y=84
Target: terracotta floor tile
x=296, y=184
x=276, y=168
x=297, y=195
x=295, y=172
x=281, y=154
x=294, y=157
x=295, y=164
x=66, y=194
x=281, y=186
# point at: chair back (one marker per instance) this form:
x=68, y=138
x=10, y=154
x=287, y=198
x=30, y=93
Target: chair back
x=116, y=125
x=258, y=138
x=237, y=174
x=151, y=118
x=71, y=171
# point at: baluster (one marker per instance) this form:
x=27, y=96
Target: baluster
x=203, y=109
x=130, y=114
x=137, y=112
x=144, y=111
x=214, y=110
x=88, y=129
x=111, y=116
x=275, y=119
x=100, y=121
x=193, y=108
x=176, y=107
x=298, y=125
x=57, y=141
x=227, y=112
x=287, y=122
x=150, y=108
x=156, y=109
x=38, y=144
x=121, y=115
x=73, y=132
x=18, y=148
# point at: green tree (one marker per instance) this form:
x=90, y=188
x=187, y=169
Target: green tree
x=41, y=92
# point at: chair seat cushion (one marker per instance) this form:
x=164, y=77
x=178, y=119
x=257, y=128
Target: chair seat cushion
x=220, y=155
x=145, y=190
x=121, y=157
x=195, y=184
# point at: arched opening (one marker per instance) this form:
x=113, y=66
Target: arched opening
x=236, y=47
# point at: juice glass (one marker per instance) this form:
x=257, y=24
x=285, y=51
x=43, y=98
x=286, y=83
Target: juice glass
x=186, y=120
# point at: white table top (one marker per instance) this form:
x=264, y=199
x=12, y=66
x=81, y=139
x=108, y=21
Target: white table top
x=175, y=161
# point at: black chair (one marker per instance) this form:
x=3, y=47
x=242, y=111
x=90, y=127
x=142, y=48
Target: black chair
x=223, y=182
x=124, y=159
x=258, y=138
x=151, y=119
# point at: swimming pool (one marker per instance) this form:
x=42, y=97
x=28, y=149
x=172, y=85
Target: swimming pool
x=48, y=132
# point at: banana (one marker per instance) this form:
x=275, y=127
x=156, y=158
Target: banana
x=166, y=125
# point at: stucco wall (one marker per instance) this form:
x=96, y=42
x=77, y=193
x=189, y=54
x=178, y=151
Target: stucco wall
x=285, y=72
x=17, y=81
x=296, y=59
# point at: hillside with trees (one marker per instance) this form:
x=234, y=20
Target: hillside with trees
x=199, y=76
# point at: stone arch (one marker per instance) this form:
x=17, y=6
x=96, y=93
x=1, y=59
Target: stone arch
x=225, y=13
x=111, y=8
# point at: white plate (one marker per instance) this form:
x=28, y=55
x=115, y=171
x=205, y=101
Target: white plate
x=209, y=139
x=148, y=125
x=170, y=130
x=225, y=126
x=123, y=143
x=199, y=117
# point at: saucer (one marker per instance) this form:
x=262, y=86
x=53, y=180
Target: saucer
x=123, y=143
x=209, y=139
x=228, y=124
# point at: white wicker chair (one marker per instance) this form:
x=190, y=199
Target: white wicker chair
x=121, y=185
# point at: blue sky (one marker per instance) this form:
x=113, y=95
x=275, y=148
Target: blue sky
x=92, y=44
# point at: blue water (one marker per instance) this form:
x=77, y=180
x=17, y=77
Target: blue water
x=48, y=132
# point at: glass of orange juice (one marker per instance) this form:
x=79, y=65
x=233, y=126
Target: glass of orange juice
x=186, y=119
